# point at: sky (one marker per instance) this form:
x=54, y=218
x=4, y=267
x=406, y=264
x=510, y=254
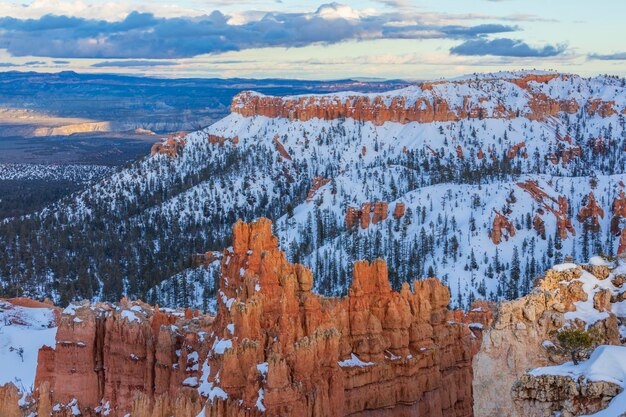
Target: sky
x=379, y=39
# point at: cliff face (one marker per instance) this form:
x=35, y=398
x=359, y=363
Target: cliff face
x=281, y=349
x=435, y=102
x=274, y=348
x=105, y=356
x=523, y=336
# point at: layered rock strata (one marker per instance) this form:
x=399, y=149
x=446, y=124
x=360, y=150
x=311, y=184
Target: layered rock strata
x=275, y=348
x=432, y=102
x=523, y=336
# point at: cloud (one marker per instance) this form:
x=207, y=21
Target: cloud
x=133, y=63
x=7, y=65
x=619, y=56
x=145, y=36
x=506, y=47
x=60, y=62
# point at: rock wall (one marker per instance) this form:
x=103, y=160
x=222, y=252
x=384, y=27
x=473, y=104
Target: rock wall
x=291, y=352
x=370, y=213
x=275, y=348
x=106, y=354
x=538, y=396
x=432, y=103
x=523, y=336
x=171, y=146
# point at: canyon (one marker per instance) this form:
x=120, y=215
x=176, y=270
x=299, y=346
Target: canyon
x=274, y=348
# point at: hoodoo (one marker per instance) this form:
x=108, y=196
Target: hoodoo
x=275, y=348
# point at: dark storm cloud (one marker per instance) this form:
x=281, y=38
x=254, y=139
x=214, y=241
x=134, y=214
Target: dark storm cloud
x=133, y=63
x=142, y=35
x=506, y=47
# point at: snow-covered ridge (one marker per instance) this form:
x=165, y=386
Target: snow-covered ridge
x=536, y=95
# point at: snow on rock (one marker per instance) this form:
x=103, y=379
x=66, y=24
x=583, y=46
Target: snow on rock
x=354, y=361
x=23, y=331
x=607, y=363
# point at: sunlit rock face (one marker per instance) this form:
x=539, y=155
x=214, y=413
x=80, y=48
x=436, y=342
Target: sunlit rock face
x=527, y=94
x=274, y=348
x=523, y=336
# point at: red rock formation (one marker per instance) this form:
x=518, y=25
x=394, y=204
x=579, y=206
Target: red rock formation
x=281, y=149
x=352, y=216
x=599, y=107
x=205, y=259
x=318, y=182
x=376, y=352
x=619, y=212
x=9, y=397
x=216, y=140
x=381, y=210
x=275, y=348
x=399, y=210
x=539, y=225
x=480, y=154
x=591, y=211
x=108, y=354
x=501, y=227
x=429, y=107
x=172, y=146
x=365, y=215
x=459, y=152
x=514, y=150
x=563, y=222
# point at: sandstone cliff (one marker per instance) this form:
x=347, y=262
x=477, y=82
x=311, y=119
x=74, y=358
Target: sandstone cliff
x=275, y=348
x=523, y=337
x=435, y=102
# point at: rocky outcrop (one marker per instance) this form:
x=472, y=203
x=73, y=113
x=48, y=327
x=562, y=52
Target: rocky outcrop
x=523, y=336
x=380, y=211
x=375, y=352
x=205, y=259
x=442, y=101
x=515, y=151
x=9, y=397
x=539, y=225
x=557, y=206
x=275, y=348
x=368, y=213
x=172, y=146
x=318, y=182
x=281, y=149
x=502, y=227
x=546, y=395
x=591, y=213
x=399, y=211
x=106, y=354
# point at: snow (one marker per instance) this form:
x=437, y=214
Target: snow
x=220, y=345
x=585, y=310
x=607, y=363
x=23, y=330
x=564, y=267
x=70, y=310
x=130, y=316
x=259, y=401
x=354, y=361
x=191, y=381
x=599, y=261
x=263, y=368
